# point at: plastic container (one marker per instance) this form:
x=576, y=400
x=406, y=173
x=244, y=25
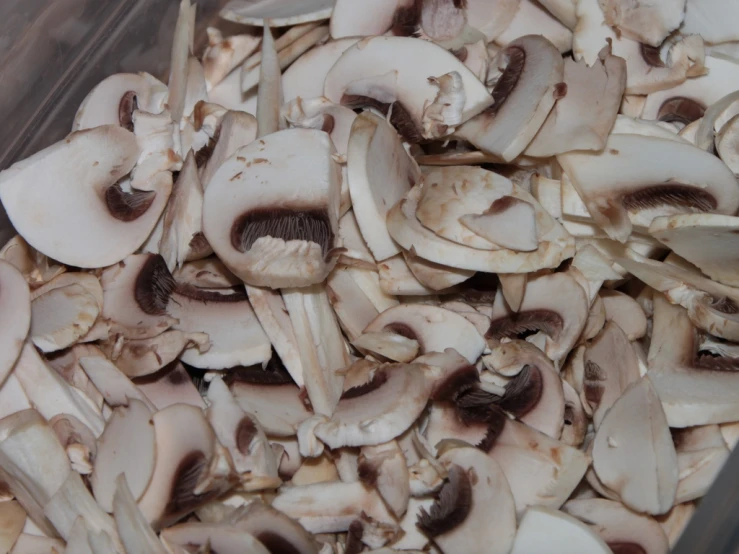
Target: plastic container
x=52, y=52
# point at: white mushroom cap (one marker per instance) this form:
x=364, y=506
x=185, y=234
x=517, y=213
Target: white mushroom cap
x=279, y=13
x=542, y=530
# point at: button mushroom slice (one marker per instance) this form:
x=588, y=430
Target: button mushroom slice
x=561, y=317
x=380, y=173
x=217, y=538
x=15, y=306
x=583, y=117
x=555, y=244
x=479, y=320
x=575, y=420
x=618, y=526
x=127, y=446
x=269, y=94
x=13, y=517
x=315, y=470
x=563, y=10
x=388, y=345
x=457, y=521
x=280, y=13
x=116, y=388
x=223, y=55
x=77, y=440
x=356, y=253
x=727, y=144
x=114, y=99
x=384, y=468
x=332, y=507
x=368, y=74
x=620, y=196
x=435, y=329
x=208, y=273
x=236, y=129
x=532, y=18
x=396, y=278
x=155, y=135
x=709, y=19
x=83, y=200
x=701, y=453
x=353, y=308
x=496, y=224
x=525, y=91
x=633, y=453
x=377, y=411
x=304, y=78
x=171, y=385
x=625, y=312
x=352, y=18
x=259, y=237
x=189, y=470
x=135, y=532
x=36, y=268
x=542, y=530
x=647, y=22
x=435, y=276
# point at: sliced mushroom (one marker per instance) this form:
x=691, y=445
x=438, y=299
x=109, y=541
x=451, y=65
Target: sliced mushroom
x=625, y=312
x=171, y=385
x=269, y=94
x=396, y=278
x=15, y=304
x=727, y=144
x=435, y=276
x=542, y=529
x=13, y=518
x=225, y=54
x=217, y=538
x=208, y=273
x=710, y=20
x=260, y=238
x=273, y=529
x=496, y=224
x=61, y=317
x=384, y=468
x=35, y=267
x=647, y=23
x=236, y=129
x=575, y=420
x=77, y=440
x=115, y=387
x=135, y=532
x=279, y=13
x=701, y=453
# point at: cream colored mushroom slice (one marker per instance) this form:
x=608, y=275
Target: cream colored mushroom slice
x=82, y=199
x=36, y=268
x=304, y=78
x=525, y=92
x=135, y=532
x=555, y=244
x=15, y=306
x=583, y=117
x=235, y=334
x=396, y=278
x=171, y=385
x=543, y=530
x=352, y=18
x=217, y=538
x=633, y=453
x=236, y=129
x=127, y=446
x=436, y=277
x=619, y=195
x=497, y=224
x=710, y=20
x=384, y=468
x=370, y=73
x=78, y=441
x=179, y=67
x=13, y=518
x=116, y=388
x=189, y=470
x=435, y=329
x=269, y=92
x=223, y=55
x=457, y=521
x=155, y=135
x=648, y=23
x=114, y=99
x=279, y=13
x=621, y=529
x=208, y=273
x=351, y=305
x=273, y=528
x=284, y=233
x=625, y=312
x=380, y=173
x=388, y=345
x=35, y=544
x=701, y=453
x=727, y=145
x=676, y=520
x=554, y=305
x=532, y=18
x=356, y=253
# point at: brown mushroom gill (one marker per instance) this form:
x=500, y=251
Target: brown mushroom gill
x=407, y=19
x=246, y=430
x=128, y=105
x=127, y=206
x=153, y=286
x=183, y=498
x=400, y=118
x=275, y=543
x=669, y=194
x=522, y=324
x=481, y=287
x=452, y=505
x=508, y=80
x=680, y=110
x=651, y=55
x=379, y=379
x=281, y=223
x=724, y=305
x=626, y=548
x=523, y=392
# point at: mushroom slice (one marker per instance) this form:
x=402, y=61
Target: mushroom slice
x=530, y=66
x=171, y=385
x=284, y=233
x=619, y=195
x=83, y=199
x=236, y=129
x=610, y=367
x=269, y=94
x=77, y=440
x=555, y=244
x=727, y=144
x=633, y=453
x=216, y=538
x=208, y=273
x=225, y=54
x=273, y=529
x=625, y=312
x=353, y=308
x=115, y=387
x=618, y=526
x=380, y=173
x=701, y=453
x=396, y=278
x=554, y=304
x=135, y=532
x=384, y=468
x=352, y=18
x=36, y=268
x=377, y=411
x=13, y=518
x=583, y=117
x=305, y=77
x=647, y=22
x=458, y=521
x=15, y=306
x=709, y=19
x=236, y=337
x=114, y=99
x=34, y=544
x=575, y=420
x=703, y=240
x=389, y=345
x=189, y=467
x=126, y=447
x=371, y=73
x=279, y=13
x=435, y=329
x=496, y=224
x=543, y=530
x=61, y=317
x=533, y=18
x=435, y=276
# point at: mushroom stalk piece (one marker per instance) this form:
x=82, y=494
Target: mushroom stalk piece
x=135, y=532
x=269, y=99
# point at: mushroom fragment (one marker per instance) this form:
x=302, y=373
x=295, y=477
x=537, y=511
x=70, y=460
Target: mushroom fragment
x=15, y=303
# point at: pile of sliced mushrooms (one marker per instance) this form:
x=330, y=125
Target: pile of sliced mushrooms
x=446, y=276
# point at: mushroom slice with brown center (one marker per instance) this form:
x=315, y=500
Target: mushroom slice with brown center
x=88, y=220
x=393, y=74
x=619, y=194
x=525, y=92
x=274, y=529
x=543, y=530
x=236, y=129
x=236, y=337
x=279, y=13
x=647, y=22
x=435, y=329
x=220, y=539
x=384, y=468
x=458, y=521
x=208, y=273
x=15, y=305
x=554, y=304
x=283, y=232
x=171, y=385
x=623, y=530
x=701, y=453
x=633, y=453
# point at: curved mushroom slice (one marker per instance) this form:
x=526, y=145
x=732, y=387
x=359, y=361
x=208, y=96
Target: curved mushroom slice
x=13, y=518
x=396, y=278
x=155, y=135
x=619, y=194
x=554, y=304
x=353, y=308
x=284, y=233
x=236, y=337
x=435, y=329
x=525, y=91
x=115, y=387
x=305, y=77
x=36, y=268
x=435, y=276
x=126, y=447
x=555, y=244
x=459, y=520
x=610, y=367
x=703, y=240
x=83, y=199
x=269, y=93
x=236, y=129
x=189, y=467
x=633, y=453
x=620, y=528
x=625, y=312
x=225, y=54
x=532, y=18
x=216, y=538
x=377, y=411
x=388, y=345
x=208, y=273
x=273, y=529
x=15, y=306
x=701, y=453
x=727, y=144
x=135, y=532
x=709, y=19
x=384, y=468
x=492, y=18
x=279, y=13
x=61, y=317
x=543, y=530
x=114, y=99
x=480, y=320
x=648, y=22
x=356, y=253
x=583, y=117
x=171, y=385
x=353, y=18
x=393, y=74
x=380, y=173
